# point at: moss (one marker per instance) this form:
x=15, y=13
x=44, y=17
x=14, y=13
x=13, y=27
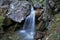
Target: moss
x=1, y=20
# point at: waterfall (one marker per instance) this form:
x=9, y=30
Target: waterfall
x=28, y=30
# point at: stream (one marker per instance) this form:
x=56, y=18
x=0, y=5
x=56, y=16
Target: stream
x=28, y=31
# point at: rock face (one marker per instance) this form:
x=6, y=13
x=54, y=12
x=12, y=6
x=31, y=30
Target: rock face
x=19, y=10
x=4, y=2
x=53, y=6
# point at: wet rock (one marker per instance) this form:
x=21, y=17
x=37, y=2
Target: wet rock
x=40, y=23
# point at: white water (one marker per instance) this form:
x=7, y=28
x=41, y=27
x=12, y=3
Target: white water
x=29, y=27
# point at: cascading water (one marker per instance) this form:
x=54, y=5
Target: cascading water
x=29, y=27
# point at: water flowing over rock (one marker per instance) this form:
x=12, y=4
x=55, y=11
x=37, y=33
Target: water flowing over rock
x=19, y=10
x=28, y=31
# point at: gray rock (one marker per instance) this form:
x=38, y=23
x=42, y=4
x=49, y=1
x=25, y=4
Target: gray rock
x=19, y=10
x=37, y=5
x=1, y=2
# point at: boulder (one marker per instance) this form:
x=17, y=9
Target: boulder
x=19, y=10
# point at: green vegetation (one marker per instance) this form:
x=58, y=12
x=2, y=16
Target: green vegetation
x=1, y=20
x=55, y=28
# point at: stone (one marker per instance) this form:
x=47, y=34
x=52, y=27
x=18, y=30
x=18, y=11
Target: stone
x=19, y=10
